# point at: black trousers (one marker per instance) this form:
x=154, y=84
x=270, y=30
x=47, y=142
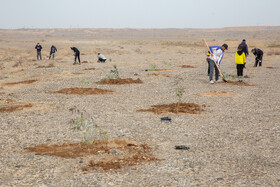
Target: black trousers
x=51, y=55
x=77, y=55
x=208, y=60
x=239, y=68
x=258, y=60
x=102, y=60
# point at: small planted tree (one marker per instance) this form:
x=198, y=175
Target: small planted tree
x=113, y=74
x=88, y=125
x=179, y=91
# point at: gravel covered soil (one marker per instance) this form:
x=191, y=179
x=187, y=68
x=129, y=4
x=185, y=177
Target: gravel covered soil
x=234, y=141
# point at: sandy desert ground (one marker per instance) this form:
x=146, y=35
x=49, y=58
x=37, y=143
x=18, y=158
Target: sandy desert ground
x=233, y=141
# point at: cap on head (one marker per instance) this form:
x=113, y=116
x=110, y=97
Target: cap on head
x=243, y=40
x=253, y=50
x=225, y=46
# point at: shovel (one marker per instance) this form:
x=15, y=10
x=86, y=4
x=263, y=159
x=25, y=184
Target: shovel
x=215, y=63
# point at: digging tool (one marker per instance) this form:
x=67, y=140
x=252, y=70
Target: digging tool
x=215, y=63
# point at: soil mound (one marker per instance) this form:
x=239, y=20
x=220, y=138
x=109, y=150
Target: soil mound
x=84, y=62
x=160, y=70
x=190, y=108
x=77, y=73
x=21, y=82
x=271, y=67
x=219, y=93
x=90, y=69
x=83, y=91
x=157, y=75
x=238, y=83
x=112, y=154
x=48, y=66
x=120, y=81
x=185, y=66
x=8, y=105
x=14, y=72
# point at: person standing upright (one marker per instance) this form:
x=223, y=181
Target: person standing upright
x=217, y=53
x=52, y=52
x=39, y=48
x=240, y=60
x=76, y=54
x=259, y=56
x=244, y=48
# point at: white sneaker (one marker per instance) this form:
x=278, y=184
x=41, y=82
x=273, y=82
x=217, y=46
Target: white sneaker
x=218, y=80
x=211, y=82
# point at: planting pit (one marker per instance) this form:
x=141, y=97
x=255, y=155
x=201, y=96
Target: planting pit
x=21, y=82
x=186, y=66
x=271, y=67
x=219, y=93
x=184, y=108
x=238, y=83
x=105, y=155
x=83, y=91
x=84, y=62
x=8, y=105
x=120, y=81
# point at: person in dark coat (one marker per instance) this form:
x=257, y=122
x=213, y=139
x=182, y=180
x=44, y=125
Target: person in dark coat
x=76, y=54
x=259, y=56
x=244, y=48
x=52, y=52
x=38, y=47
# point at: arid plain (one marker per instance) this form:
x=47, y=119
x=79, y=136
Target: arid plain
x=231, y=131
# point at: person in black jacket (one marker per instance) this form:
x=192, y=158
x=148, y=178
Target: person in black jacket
x=53, y=50
x=259, y=55
x=76, y=54
x=39, y=48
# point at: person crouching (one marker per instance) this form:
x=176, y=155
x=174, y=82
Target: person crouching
x=240, y=60
x=101, y=58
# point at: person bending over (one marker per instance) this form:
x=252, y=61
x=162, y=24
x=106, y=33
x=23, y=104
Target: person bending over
x=52, y=52
x=76, y=54
x=259, y=56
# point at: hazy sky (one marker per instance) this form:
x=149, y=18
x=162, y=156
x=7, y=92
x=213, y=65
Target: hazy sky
x=138, y=13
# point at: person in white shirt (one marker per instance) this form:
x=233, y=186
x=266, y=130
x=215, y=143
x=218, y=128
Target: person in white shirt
x=101, y=58
x=217, y=53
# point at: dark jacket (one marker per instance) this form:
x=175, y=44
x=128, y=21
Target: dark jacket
x=53, y=49
x=76, y=51
x=258, y=52
x=38, y=47
x=244, y=48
